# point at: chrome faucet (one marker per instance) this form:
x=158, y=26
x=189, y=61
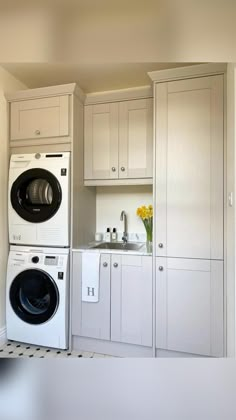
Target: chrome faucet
x=123, y=216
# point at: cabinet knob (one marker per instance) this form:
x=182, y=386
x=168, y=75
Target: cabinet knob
x=161, y=268
x=105, y=264
x=122, y=168
x=37, y=132
x=160, y=245
x=113, y=169
x=115, y=265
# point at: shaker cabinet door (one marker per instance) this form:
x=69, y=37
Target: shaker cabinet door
x=101, y=141
x=189, y=306
x=40, y=118
x=131, y=299
x=135, y=138
x=91, y=319
x=118, y=141
x=189, y=168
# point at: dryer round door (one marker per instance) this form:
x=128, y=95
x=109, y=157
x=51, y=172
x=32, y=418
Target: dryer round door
x=34, y=296
x=36, y=195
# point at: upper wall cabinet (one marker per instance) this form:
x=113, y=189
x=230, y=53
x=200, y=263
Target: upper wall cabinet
x=189, y=168
x=135, y=139
x=40, y=118
x=118, y=142
x=47, y=118
x=101, y=141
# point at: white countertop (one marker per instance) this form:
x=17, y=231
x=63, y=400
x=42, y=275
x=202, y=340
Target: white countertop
x=89, y=248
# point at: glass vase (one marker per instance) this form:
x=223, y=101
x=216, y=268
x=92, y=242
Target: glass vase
x=149, y=241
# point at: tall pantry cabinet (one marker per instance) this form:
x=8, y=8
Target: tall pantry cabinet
x=189, y=219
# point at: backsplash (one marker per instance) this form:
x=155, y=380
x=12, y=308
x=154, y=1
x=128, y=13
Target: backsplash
x=110, y=202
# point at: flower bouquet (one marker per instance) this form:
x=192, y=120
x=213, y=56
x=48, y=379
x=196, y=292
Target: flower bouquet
x=146, y=214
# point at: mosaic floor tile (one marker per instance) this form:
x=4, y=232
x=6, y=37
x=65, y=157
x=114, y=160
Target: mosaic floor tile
x=23, y=350
x=87, y=354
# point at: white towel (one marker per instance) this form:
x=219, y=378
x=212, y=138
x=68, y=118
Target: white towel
x=90, y=276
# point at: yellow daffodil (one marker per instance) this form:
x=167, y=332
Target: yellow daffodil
x=146, y=214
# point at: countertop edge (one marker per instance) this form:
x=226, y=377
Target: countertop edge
x=87, y=248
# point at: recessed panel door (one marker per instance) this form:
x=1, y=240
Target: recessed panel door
x=189, y=306
x=189, y=168
x=101, y=141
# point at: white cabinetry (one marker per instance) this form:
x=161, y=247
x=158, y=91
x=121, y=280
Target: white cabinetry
x=131, y=299
x=118, y=142
x=123, y=313
x=189, y=211
x=91, y=319
x=135, y=139
x=40, y=118
x=47, y=119
x=189, y=168
x=50, y=119
x=101, y=141
x=189, y=306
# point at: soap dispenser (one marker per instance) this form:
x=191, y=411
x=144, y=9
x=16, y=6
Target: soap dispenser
x=108, y=235
x=114, y=235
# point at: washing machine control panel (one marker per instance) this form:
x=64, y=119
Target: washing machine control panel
x=24, y=258
x=50, y=260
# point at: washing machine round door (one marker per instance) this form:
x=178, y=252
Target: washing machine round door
x=36, y=195
x=34, y=296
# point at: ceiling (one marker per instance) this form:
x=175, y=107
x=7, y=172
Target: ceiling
x=90, y=77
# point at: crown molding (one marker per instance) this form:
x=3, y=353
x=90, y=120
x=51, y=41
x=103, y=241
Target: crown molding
x=196, y=70
x=118, y=95
x=67, y=89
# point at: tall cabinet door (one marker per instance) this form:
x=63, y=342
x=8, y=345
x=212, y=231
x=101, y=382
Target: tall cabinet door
x=189, y=168
x=101, y=141
x=135, y=138
x=189, y=306
x=131, y=299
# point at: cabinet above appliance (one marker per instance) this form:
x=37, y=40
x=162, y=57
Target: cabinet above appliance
x=118, y=141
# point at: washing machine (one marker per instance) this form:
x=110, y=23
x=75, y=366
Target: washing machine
x=39, y=199
x=37, y=294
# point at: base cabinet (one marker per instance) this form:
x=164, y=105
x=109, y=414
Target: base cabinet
x=189, y=306
x=189, y=303
x=124, y=310
x=131, y=299
x=91, y=319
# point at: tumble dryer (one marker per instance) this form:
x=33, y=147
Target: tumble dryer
x=39, y=199
x=37, y=296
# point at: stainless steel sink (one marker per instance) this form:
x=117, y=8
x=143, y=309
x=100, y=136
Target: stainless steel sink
x=119, y=245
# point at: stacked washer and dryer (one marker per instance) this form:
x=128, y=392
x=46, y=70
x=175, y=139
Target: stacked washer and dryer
x=37, y=292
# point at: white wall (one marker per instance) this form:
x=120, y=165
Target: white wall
x=7, y=84
x=112, y=200
x=230, y=213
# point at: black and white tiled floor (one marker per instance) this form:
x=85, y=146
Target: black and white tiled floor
x=22, y=350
